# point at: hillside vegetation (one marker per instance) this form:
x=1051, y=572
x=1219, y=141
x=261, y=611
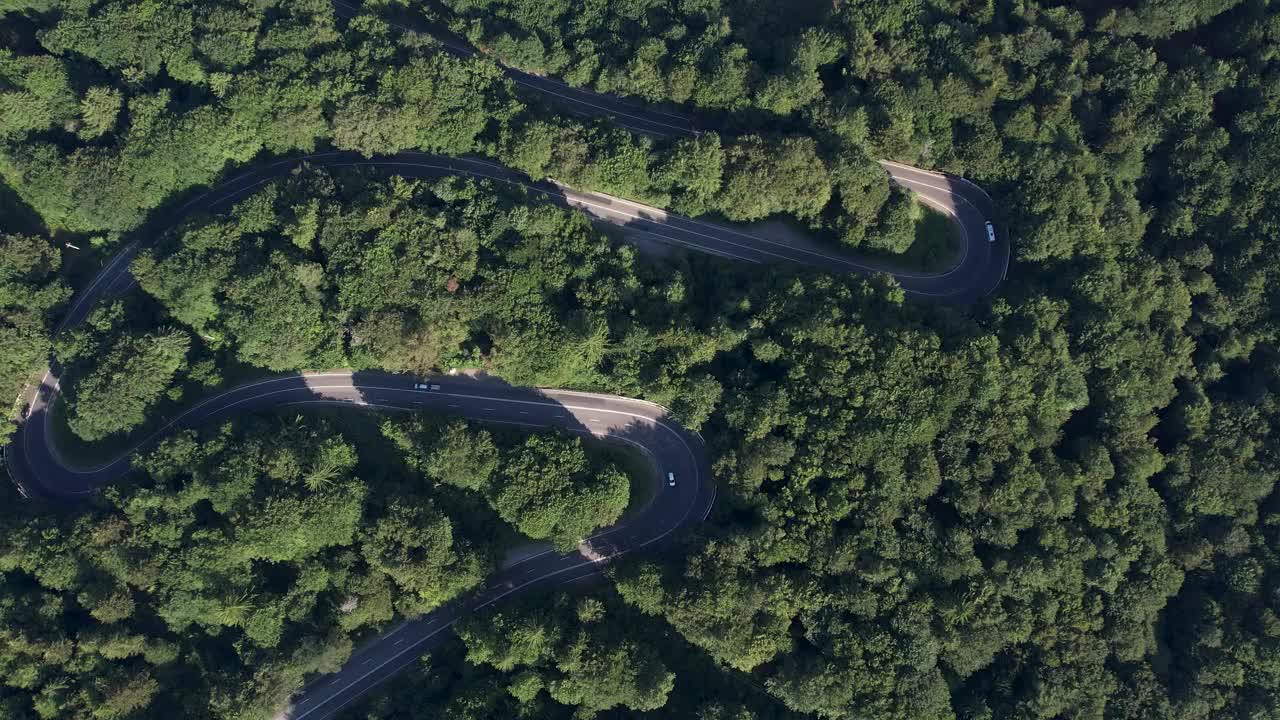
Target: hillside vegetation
x=1059, y=502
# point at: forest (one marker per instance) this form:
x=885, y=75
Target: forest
x=243, y=557
x=1056, y=502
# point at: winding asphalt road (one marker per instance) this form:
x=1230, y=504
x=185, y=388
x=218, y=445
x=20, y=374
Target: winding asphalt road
x=978, y=271
x=637, y=423
x=36, y=466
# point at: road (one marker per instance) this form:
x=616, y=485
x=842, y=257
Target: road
x=637, y=423
x=978, y=271
x=35, y=464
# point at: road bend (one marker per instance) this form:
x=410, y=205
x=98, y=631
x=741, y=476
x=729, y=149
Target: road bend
x=38, y=468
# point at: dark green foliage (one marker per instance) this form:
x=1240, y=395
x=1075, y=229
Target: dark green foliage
x=763, y=178
x=36, y=94
x=580, y=653
x=115, y=395
x=545, y=486
x=418, y=272
x=29, y=292
x=257, y=544
x=1058, y=503
x=201, y=88
x=439, y=103
x=862, y=189
x=463, y=457
x=414, y=547
x=167, y=145
x=692, y=169
x=1060, y=511
x=548, y=490
x=591, y=668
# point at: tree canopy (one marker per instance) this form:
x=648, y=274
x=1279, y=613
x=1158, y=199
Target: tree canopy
x=1057, y=502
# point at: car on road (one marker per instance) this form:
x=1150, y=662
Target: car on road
x=425, y=386
x=671, y=479
x=991, y=232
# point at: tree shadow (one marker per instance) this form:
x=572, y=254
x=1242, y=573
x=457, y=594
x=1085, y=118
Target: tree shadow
x=487, y=399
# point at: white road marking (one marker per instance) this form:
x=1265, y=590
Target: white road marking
x=578, y=199
x=471, y=52
x=912, y=169
x=700, y=248
x=105, y=275
x=667, y=216
x=657, y=422
x=611, y=113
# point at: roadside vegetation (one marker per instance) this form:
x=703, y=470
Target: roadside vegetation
x=934, y=243
x=30, y=293
x=1059, y=502
x=270, y=545
x=99, y=131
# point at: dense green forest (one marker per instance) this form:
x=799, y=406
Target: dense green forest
x=240, y=558
x=1056, y=503
x=110, y=109
x=569, y=654
x=30, y=291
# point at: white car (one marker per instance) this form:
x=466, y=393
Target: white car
x=671, y=479
x=425, y=386
x=991, y=233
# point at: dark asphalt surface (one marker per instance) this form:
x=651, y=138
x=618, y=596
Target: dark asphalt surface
x=978, y=272
x=36, y=466
x=636, y=423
